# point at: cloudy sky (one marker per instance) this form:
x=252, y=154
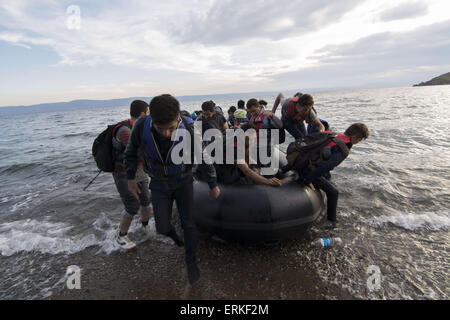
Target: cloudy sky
x=57, y=50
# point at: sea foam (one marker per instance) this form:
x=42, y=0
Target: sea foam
x=434, y=221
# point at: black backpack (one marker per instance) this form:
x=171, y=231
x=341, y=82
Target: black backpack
x=309, y=150
x=102, y=148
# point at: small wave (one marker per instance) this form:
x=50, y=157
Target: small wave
x=81, y=134
x=42, y=236
x=25, y=201
x=51, y=237
x=19, y=167
x=434, y=221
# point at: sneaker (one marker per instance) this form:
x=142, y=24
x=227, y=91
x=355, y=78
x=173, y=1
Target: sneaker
x=331, y=224
x=124, y=242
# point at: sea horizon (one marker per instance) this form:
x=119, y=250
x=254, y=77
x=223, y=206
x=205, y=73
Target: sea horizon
x=80, y=104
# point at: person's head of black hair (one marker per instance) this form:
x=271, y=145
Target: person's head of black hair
x=208, y=106
x=241, y=104
x=252, y=103
x=262, y=103
x=137, y=107
x=164, y=109
x=232, y=109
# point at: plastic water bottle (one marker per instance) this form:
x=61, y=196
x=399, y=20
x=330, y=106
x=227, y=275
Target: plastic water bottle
x=327, y=242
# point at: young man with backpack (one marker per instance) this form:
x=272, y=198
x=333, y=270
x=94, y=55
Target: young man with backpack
x=315, y=155
x=121, y=134
x=152, y=137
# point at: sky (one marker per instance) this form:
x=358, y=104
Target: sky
x=57, y=50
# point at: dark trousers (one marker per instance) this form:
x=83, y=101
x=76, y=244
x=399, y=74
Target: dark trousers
x=332, y=196
x=163, y=195
x=296, y=129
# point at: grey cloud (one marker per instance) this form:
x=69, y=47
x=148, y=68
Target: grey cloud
x=405, y=11
x=231, y=21
x=365, y=60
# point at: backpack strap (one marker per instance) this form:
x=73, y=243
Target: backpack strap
x=125, y=123
x=342, y=145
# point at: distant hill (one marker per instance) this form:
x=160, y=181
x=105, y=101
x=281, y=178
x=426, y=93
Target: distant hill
x=442, y=79
x=88, y=104
x=67, y=106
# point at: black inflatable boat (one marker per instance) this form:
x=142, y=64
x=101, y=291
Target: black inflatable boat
x=258, y=213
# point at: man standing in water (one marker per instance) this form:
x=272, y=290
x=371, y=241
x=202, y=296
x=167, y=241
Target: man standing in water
x=152, y=135
x=121, y=135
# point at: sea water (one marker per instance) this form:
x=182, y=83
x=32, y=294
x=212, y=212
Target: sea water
x=394, y=204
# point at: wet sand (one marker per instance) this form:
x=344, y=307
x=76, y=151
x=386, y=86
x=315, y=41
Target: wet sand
x=156, y=271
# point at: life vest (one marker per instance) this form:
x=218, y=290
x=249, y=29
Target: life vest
x=159, y=168
x=291, y=110
x=343, y=142
x=258, y=122
x=345, y=139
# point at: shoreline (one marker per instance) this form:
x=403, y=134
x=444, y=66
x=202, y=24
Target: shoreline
x=156, y=271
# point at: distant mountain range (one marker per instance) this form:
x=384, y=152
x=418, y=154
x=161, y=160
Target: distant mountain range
x=440, y=80
x=87, y=104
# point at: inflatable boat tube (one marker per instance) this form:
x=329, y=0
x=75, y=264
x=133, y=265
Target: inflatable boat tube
x=258, y=213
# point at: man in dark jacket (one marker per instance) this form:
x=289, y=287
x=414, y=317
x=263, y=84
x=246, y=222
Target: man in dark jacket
x=152, y=138
x=313, y=176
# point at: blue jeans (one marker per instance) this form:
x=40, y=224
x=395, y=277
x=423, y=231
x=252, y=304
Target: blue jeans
x=296, y=129
x=163, y=196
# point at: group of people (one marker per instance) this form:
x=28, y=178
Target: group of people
x=144, y=144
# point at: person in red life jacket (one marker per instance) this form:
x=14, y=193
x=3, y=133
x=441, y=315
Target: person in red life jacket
x=152, y=137
x=121, y=135
x=295, y=111
x=261, y=118
x=314, y=176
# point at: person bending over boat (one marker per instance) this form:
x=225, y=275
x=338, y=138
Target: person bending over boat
x=295, y=111
x=313, y=176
